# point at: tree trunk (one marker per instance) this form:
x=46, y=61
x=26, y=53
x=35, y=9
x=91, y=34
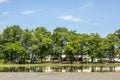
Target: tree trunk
x=101, y=60
x=110, y=58
x=92, y=58
x=71, y=61
x=81, y=58
x=41, y=57
x=5, y=59
x=113, y=60
x=61, y=59
x=77, y=59
x=52, y=59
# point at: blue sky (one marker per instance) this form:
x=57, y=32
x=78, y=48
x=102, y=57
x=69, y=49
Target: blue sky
x=84, y=16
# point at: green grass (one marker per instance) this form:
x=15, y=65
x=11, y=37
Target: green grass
x=57, y=64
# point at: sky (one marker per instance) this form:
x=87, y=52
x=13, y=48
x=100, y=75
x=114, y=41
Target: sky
x=84, y=16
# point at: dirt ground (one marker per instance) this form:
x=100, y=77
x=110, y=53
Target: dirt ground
x=59, y=76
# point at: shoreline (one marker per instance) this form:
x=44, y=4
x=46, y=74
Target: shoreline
x=58, y=64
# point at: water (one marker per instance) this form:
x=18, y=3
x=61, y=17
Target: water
x=60, y=69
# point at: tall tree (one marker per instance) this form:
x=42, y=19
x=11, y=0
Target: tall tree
x=27, y=40
x=102, y=49
x=117, y=34
x=13, y=51
x=112, y=50
x=60, y=37
x=12, y=33
x=82, y=45
x=92, y=45
x=1, y=47
x=70, y=51
x=43, y=41
x=10, y=37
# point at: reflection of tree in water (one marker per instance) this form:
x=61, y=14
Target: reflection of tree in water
x=32, y=69
x=112, y=69
x=40, y=69
x=80, y=68
x=56, y=69
x=6, y=69
x=71, y=69
x=13, y=69
x=93, y=69
x=60, y=69
x=22, y=69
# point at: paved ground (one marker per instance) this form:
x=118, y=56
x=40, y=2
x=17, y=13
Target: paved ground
x=59, y=76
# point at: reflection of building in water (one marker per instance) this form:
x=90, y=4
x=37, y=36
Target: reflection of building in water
x=117, y=69
x=85, y=69
x=76, y=69
x=88, y=69
x=81, y=69
x=48, y=69
x=107, y=69
x=103, y=69
x=61, y=69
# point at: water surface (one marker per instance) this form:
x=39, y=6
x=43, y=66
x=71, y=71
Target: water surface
x=60, y=69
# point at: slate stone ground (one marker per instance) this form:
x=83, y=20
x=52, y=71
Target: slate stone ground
x=59, y=76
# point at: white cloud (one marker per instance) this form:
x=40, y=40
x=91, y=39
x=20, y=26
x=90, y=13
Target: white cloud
x=27, y=12
x=70, y=18
x=3, y=1
x=79, y=20
x=87, y=5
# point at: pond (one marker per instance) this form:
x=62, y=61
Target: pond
x=60, y=69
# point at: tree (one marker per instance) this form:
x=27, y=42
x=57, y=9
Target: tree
x=1, y=47
x=12, y=34
x=60, y=37
x=92, y=45
x=102, y=49
x=27, y=40
x=82, y=45
x=79, y=44
x=13, y=51
x=70, y=51
x=117, y=34
x=16, y=43
x=112, y=50
x=1, y=52
x=43, y=42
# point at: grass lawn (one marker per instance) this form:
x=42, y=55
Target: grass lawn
x=57, y=64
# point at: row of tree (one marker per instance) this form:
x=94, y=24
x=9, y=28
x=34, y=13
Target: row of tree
x=18, y=45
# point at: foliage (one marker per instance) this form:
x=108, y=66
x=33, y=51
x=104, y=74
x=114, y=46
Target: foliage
x=18, y=45
x=70, y=51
